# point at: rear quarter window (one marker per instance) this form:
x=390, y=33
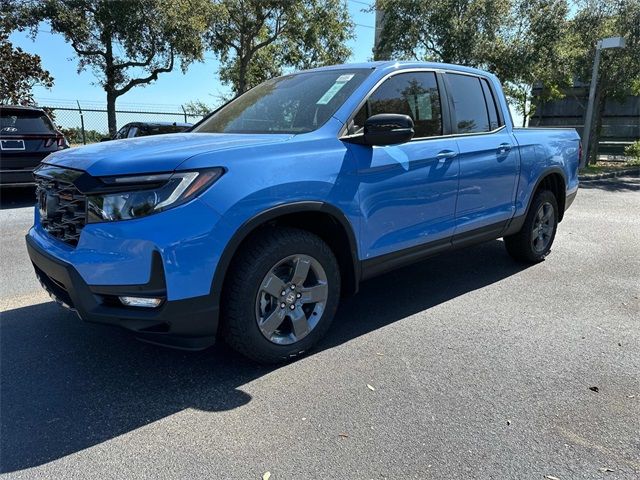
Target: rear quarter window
x=14, y=122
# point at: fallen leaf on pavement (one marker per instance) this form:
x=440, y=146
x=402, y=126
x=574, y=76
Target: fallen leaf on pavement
x=380, y=354
x=343, y=435
x=371, y=388
x=594, y=389
x=266, y=475
x=605, y=469
x=551, y=477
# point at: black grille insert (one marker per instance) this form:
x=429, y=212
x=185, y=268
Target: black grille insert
x=63, y=208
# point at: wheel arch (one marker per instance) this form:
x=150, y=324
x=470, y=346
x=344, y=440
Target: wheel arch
x=552, y=179
x=322, y=219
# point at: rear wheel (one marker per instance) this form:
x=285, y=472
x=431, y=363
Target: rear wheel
x=533, y=242
x=281, y=295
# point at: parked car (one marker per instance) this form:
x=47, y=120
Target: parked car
x=143, y=129
x=252, y=225
x=27, y=135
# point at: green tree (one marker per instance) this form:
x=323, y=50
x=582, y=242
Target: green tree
x=19, y=71
x=530, y=51
x=619, y=73
x=198, y=108
x=519, y=40
x=127, y=43
x=257, y=39
x=452, y=31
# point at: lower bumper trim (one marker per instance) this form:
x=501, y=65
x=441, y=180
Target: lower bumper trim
x=189, y=324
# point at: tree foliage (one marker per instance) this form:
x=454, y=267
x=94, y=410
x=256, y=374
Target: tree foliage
x=127, y=43
x=257, y=39
x=532, y=51
x=451, y=31
x=19, y=71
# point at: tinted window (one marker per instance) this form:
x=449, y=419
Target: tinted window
x=491, y=105
x=160, y=129
x=296, y=103
x=122, y=133
x=15, y=122
x=414, y=94
x=469, y=104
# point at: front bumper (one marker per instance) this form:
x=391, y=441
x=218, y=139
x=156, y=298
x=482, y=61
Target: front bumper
x=189, y=323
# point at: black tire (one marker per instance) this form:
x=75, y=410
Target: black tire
x=521, y=245
x=242, y=288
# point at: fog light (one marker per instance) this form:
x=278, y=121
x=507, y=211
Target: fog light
x=145, y=302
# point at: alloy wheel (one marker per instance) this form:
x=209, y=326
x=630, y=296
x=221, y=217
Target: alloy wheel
x=291, y=299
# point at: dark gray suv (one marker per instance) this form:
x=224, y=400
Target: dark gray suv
x=27, y=135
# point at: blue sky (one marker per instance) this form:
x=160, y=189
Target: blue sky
x=174, y=88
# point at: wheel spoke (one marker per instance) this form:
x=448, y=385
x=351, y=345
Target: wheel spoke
x=273, y=285
x=273, y=321
x=301, y=271
x=548, y=212
x=300, y=322
x=317, y=293
x=534, y=234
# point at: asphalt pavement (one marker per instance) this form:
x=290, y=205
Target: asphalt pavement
x=465, y=366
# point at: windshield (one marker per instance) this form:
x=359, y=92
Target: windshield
x=16, y=122
x=295, y=103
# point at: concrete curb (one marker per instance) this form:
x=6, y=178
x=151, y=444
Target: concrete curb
x=632, y=172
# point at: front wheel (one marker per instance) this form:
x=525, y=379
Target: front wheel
x=533, y=242
x=281, y=295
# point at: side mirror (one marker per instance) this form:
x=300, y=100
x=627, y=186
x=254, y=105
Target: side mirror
x=384, y=129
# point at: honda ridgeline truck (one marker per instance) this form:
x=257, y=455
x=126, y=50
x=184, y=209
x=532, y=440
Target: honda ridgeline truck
x=253, y=224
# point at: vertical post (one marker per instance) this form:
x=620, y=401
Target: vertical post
x=588, y=119
x=185, y=113
x=84, y=137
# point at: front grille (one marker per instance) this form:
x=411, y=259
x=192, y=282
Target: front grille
x=63, y=208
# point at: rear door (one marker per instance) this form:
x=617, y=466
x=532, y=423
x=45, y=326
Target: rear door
x=488, y=157
x=407, y=192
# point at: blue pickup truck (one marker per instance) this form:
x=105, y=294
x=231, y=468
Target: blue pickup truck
x=252, y=225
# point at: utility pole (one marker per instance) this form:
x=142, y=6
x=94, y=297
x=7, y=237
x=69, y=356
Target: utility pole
x=611, y=42
x=377, y=53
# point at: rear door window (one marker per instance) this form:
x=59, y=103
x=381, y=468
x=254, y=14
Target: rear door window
x=16, y=122
x=469, y=104
x=415, y=94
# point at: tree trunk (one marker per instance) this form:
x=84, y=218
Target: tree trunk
x=111, y=113
x=242, y=76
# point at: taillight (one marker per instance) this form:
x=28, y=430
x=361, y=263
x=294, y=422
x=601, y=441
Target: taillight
x=59, y=141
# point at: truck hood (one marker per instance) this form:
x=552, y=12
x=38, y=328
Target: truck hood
x=159, y=153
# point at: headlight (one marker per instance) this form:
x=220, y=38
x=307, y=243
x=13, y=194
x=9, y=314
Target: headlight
x=141, y=195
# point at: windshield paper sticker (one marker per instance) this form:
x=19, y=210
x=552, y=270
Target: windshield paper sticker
x=335, y=88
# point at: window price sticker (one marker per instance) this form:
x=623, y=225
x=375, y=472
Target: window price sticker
x=340, y=82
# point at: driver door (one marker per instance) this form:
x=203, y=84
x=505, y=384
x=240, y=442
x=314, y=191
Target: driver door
x=407, y=192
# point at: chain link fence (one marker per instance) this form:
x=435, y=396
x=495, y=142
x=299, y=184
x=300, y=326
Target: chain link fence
x=85, y=122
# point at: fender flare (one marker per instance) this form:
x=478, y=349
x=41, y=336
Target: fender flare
x=271, y=214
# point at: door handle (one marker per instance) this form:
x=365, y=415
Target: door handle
x=446, y=154
x=504, y=148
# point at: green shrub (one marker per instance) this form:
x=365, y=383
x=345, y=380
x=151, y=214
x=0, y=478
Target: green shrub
x=633, y=151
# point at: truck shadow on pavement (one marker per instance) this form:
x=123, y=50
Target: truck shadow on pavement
x=68, y=385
